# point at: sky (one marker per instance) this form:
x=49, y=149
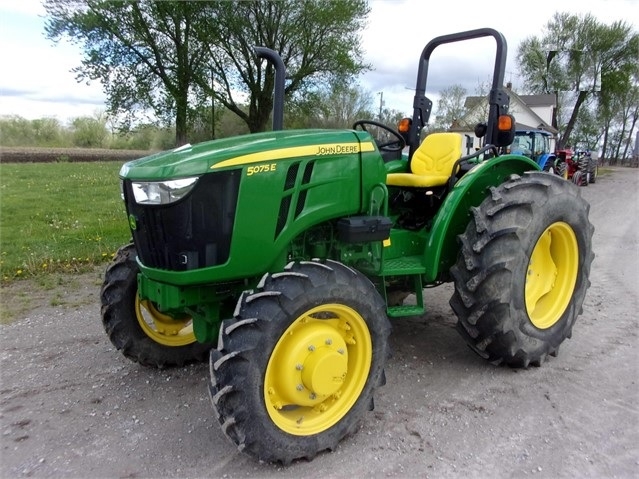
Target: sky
x=36, y=79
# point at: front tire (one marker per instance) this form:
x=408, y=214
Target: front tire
x=579, y=178
x=523, y=269
x=136, y=328
x=297, y=366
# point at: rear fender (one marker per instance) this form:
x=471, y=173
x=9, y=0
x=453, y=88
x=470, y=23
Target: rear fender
x=546, y=161
x=453, y=216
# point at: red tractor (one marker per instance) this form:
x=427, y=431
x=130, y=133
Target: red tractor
x=569, y=168
x=578, y=166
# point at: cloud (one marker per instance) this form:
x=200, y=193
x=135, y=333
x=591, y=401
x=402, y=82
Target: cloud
x=397, y=32
x=28, y=7
x=36, y=79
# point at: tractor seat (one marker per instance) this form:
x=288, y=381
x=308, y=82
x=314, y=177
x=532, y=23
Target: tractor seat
x=432, y=163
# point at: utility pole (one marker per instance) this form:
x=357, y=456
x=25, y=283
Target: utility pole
x=381, y=104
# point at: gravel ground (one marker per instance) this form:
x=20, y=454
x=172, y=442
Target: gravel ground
x=71, y=406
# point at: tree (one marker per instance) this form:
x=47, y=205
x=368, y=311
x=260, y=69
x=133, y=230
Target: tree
x=317, y=40
x=140, y=51
x=334, y=105
x=587, y=132
x=621, y=116
x=392, y=117
x=573, y=55
x=617, y=107
x=166, y=57
x=450, y=106
x=89, y=132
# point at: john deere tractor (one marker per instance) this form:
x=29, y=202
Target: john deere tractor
x=282, y=255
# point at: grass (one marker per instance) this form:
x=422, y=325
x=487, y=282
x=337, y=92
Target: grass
x=59, y=217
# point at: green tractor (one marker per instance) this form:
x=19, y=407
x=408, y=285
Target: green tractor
x=282, y=255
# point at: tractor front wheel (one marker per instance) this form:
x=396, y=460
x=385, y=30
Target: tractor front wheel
x=296, y=368
x=522, y=273
x=136, y=328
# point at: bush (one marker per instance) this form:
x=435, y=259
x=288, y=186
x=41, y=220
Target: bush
x=89, y=132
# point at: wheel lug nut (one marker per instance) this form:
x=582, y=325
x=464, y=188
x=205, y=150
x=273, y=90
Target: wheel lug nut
x=299, y=367
x=311, y=348
x=329, y=341
x=300, y=387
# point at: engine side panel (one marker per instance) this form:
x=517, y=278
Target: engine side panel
x=282, y=192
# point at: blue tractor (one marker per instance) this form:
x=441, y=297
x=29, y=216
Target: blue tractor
x=535, y=144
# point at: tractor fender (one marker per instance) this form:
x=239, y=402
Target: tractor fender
x=546, y=160
x=453, y=216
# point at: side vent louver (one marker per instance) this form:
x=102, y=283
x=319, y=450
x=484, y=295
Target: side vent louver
x=291, y=175
x=307, y=172
x=297, y=196
x=301, y=200
x=283, y=214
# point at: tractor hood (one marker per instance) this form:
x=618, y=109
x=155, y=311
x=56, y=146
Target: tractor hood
x=195, y=160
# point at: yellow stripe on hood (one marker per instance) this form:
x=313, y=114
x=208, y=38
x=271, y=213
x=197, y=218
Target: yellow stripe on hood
x=297, y=151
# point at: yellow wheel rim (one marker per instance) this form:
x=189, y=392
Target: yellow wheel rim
x=161, y=328
x=318, y=369
x=551, y=275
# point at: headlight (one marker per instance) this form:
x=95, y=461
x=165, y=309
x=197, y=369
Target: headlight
x=162, y=192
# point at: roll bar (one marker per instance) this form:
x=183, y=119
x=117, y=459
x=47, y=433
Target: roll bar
x=498, y=99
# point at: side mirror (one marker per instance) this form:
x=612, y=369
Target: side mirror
x=480, y=130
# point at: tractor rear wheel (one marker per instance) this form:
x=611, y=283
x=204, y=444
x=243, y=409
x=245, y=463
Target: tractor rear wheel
x=584, y=167
x=523, y=269
x=297, y=366
x=136, y=328
x=562, y=169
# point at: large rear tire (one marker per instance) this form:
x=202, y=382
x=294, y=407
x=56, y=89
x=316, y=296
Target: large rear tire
x=584, y=167
x=296, y=368
x=523, y=270
x=136, y=328
x=562, y=169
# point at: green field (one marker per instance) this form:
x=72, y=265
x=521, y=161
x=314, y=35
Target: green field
x=59, y=217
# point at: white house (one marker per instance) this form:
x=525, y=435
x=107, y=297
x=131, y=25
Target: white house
x=530, y=112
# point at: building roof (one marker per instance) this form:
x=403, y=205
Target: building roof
x=472, y=101
x=547, y=99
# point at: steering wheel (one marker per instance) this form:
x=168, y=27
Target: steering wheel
x=396, y=144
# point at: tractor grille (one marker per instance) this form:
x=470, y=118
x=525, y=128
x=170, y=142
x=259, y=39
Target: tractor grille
x=194, y=232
